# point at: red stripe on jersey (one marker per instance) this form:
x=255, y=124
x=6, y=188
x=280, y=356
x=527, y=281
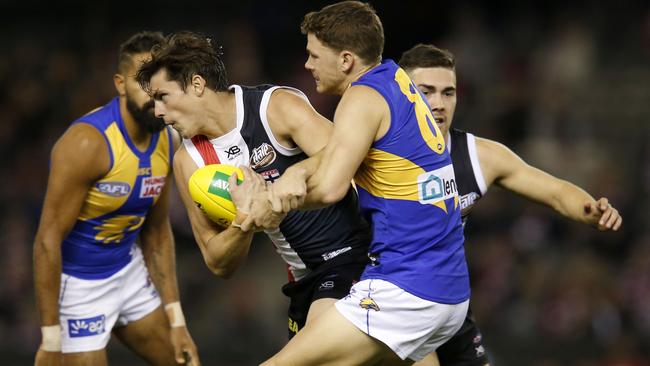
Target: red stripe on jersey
x=205, y=148
x=290, y=274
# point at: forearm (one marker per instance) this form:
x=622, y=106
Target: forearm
x=570, y=200
x=159, y=255
x=47, y=280
x=226, y=251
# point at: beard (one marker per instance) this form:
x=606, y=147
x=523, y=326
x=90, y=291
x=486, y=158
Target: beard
x=144, y=115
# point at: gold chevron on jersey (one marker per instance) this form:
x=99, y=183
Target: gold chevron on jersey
x=390, y=176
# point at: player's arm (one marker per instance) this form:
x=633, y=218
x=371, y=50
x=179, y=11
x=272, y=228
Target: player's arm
x=77, y=160
x=506, y=169
x=223, y=250
x=293, y=119
x=357, y=121
x=159, y=255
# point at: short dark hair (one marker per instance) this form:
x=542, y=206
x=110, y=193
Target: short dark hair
x=348, y=25
x=140, y=42
x=427, y=55
x=183, y=55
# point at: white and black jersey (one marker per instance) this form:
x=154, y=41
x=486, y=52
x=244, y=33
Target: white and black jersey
x=469, y=177
x=305, y=239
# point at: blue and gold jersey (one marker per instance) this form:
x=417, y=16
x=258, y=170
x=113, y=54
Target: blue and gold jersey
x=116, y=205
x=407, y=190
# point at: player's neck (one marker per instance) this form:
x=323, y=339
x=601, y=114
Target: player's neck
x=220, y=114
x=139, y=135
x=357, y=74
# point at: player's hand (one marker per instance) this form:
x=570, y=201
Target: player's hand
x=288, y=192
x=45, y=358
x=185, y=351
x=244, y=194
x=603, y=215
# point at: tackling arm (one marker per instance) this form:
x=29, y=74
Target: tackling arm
x=503, y=167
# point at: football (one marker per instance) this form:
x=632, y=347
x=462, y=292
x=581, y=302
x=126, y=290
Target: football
x=210, y=191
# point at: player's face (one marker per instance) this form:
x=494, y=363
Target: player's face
x=138, y=102
x=174, y=105
x=438, y=84
x=323, y=63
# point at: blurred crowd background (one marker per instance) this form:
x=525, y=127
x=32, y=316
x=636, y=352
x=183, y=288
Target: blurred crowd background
x=566, y=86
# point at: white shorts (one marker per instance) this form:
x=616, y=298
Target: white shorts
x=411, y=326
x=89, y=309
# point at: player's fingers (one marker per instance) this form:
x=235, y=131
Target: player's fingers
x=602, y=222
x=603, y=204
x=247, y=224
x=179, y=355
x=286, y=204
x=276, y=203
x=612, y=218
x=232, y=180
x=618, y=223
x=296, y=202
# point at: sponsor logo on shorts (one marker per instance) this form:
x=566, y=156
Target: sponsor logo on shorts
x=327, y=285
x=86, y=327
x=152, y=186
x=293, y=326
x=437, y=185
x=262, y=156
x=368, y=304
x=330, y=255
x=114, y=189
x=480, y=350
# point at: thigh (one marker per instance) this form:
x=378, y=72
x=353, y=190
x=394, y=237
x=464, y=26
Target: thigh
x=332, y=340
x=95, y=358
x=88, y=310
x=149, y=338
x=430, y=360
x=319, y=307
x=411, y=326
x=465, y=348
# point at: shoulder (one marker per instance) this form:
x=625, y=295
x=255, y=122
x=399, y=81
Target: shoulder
x=83, y=147
x=184, y=165
x=285, y=101
x=288, y=107
x=490, y=149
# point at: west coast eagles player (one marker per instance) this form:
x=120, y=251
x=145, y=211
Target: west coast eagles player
x=107, y=187
x=480, y=163
x=415, y=293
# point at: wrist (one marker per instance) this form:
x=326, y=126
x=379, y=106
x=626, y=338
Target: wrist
x=175, y=314
x=239, y=219
x=51, y=338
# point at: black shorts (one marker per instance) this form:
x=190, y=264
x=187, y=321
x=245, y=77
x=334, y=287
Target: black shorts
x=330, y=281
x=465, y=348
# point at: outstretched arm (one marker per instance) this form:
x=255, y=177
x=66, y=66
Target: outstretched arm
x=78, y=159
x=503, y=167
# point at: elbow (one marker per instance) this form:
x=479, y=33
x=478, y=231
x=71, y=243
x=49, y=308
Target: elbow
x=329, y=197
x=219, y=270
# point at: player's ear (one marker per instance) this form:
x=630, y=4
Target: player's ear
x=118, y=80
x=346, y=61
x=197, y=85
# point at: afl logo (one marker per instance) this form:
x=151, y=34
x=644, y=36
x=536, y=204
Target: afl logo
x=262, y=156
x=114, y=189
